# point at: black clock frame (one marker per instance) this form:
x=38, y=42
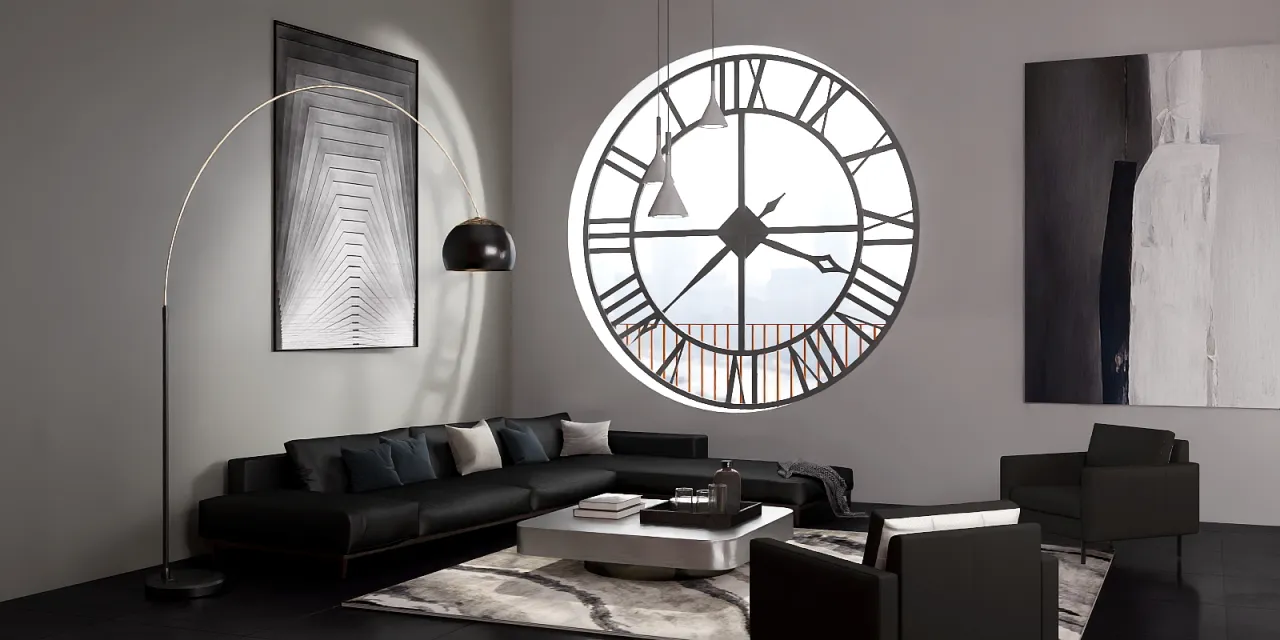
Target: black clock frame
x=682, y=129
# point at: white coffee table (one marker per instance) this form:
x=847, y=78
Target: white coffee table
x=627, y=549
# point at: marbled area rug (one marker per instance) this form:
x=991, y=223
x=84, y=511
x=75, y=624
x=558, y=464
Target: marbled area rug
x=509, y=588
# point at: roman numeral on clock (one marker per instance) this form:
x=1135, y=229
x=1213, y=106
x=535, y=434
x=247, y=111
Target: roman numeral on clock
x=628, y=310
x=609, y=235
x=626, y=164
x=861, y=157
x=670, y=368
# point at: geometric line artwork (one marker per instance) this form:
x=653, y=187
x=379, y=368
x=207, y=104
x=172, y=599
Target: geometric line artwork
x=345, y=196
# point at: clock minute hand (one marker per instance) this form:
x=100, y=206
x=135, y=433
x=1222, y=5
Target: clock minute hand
x=706, y=269
x=825, y=264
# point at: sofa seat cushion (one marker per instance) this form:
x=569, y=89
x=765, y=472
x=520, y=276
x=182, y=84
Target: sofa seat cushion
x=651, y=475
x=330, y=523
x=450, y=504
x=554, y=484
x=1061, y=500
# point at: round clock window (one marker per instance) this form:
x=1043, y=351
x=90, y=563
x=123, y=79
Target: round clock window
x=799, y=244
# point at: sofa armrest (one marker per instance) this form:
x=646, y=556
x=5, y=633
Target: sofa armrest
x=1039, y=469
x=795, y=589
x=667, y=445
x=308, y=521
x=1119, y=503
x=1048, y=596
x=261, y=473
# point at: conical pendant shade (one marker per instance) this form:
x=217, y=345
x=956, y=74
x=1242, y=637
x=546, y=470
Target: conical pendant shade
x=668, y=203
x=657, y=170
x=712, y=117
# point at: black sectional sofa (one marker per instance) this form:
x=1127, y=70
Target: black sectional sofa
x=299, y=502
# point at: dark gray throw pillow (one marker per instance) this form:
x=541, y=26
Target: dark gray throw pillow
x=522, y=445
x=370, y=469
x=412, y=459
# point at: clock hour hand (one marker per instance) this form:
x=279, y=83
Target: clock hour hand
x=768, y=208
x=825, y=264
x=706, y=269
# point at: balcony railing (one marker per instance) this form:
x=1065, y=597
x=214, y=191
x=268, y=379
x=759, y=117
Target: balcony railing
x=777, y=375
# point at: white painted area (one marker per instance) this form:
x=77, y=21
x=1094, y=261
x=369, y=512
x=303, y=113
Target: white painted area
x=1171, y=357
x=1207, y=234
x=944, y=391
x=108, y=112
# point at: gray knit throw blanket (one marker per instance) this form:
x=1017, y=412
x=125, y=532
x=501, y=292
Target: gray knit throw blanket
x=831, y=481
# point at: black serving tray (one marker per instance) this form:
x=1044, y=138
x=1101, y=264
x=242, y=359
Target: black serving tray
x=664, y=513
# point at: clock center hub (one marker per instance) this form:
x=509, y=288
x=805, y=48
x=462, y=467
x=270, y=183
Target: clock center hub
x=743, y=232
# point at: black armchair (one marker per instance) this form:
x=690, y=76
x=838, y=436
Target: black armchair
x=986, y=583
x=1132, y=483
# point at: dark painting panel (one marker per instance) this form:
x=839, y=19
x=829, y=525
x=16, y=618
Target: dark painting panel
x=1153, y=229
x=345, y=196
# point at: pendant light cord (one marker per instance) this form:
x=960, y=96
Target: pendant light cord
x=713, y=47
x=668, y=68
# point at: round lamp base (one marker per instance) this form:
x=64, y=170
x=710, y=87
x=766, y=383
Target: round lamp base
x=184, y=584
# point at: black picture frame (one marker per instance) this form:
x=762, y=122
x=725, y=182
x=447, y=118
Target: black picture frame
x=347, y=134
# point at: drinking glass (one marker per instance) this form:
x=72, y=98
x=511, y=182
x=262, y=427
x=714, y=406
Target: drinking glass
x=684, y=499
x=719, y=493
x=702, y=501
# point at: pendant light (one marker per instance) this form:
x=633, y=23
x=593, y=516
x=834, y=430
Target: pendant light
x=713, y=115
x=479, y=244
x=668, y=203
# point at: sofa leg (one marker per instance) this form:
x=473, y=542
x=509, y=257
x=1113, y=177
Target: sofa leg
x=1083, y=551
x=342, y=568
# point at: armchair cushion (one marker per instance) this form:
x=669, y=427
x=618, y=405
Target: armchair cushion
x=1060, y=500
x=1116, y=446
x=1039, y=469
x=888, y=523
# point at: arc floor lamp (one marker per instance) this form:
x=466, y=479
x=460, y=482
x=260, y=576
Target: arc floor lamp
x=477, y=244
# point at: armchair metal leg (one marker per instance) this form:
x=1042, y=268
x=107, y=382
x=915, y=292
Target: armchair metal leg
x=1179, y=557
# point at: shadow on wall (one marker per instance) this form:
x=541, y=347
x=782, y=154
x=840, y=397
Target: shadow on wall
x=335, y=391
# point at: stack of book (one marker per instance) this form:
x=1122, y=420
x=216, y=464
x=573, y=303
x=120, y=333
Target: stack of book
x=609, y=506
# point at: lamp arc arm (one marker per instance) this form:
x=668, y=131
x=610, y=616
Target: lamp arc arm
x=181, y=212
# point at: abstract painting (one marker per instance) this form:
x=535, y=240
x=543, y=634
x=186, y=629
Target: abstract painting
x=345, y=196
x=1153, y=229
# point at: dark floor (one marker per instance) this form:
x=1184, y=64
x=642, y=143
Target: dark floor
x=1230, y=589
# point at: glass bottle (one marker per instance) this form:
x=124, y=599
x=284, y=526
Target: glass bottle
x=732, y=480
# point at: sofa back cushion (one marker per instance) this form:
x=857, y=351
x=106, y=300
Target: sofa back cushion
x=370, y=469
x=546, y=429
x=1119, y=446
x=318, y=461
x=412, y=458
x=887, y=523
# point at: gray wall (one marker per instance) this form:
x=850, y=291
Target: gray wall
x=108, y=111
x=925, y=419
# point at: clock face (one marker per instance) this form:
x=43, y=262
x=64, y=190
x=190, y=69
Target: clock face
x=798, y=249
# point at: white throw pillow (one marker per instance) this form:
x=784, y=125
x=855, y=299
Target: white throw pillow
x=585, y=438
x=474, y=449
x=941, y=522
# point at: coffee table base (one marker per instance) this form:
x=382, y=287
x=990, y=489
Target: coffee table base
x=640, y=572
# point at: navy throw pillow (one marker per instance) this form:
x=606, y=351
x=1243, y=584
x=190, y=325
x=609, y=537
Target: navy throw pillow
x=370, y=469
x=412, y=458
x=522, y=445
